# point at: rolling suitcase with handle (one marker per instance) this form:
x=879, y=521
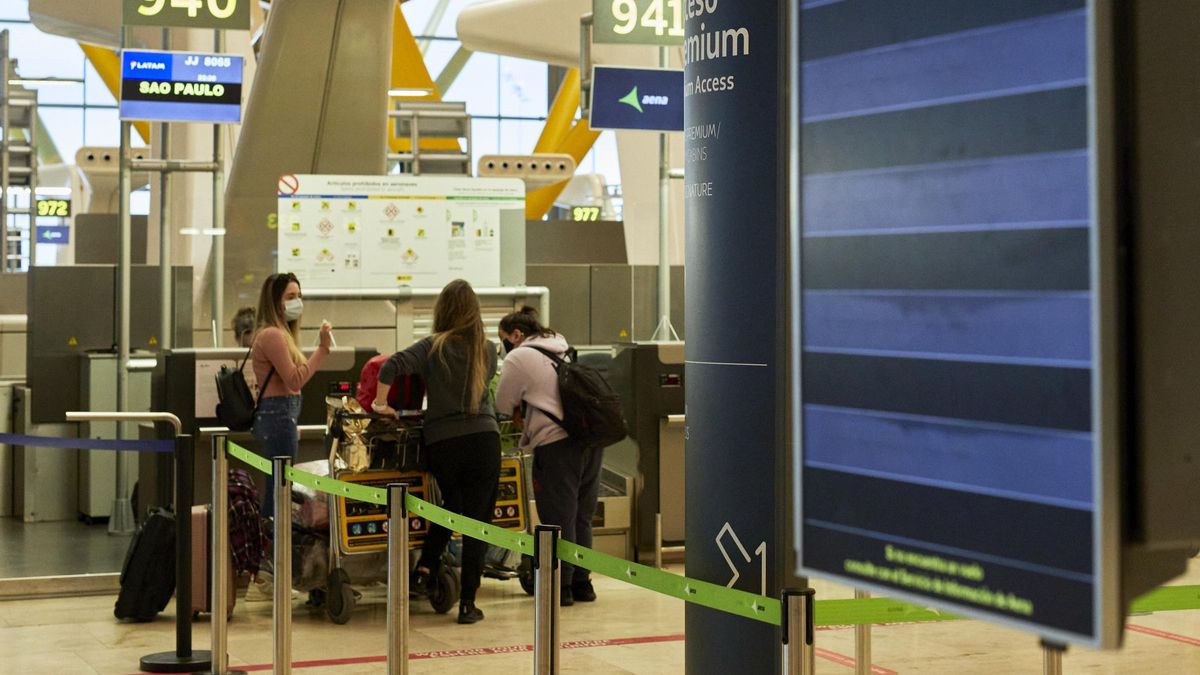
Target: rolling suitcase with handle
x=201, y=572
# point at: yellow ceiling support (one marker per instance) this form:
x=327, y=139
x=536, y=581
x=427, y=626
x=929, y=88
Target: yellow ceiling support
x=108, y=65
x=578, y=143
x=562, y=113
x=561, y=136
x=410, y=72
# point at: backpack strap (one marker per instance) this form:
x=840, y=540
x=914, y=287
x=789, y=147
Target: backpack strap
x=263, y=389
x=557, y=361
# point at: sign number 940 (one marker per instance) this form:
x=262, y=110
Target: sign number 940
x=220, y=9
x=664, y=17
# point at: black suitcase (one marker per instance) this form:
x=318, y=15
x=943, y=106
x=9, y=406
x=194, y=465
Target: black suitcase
x=148, y=575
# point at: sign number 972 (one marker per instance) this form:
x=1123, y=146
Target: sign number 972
x=219, y=9
x=664, y=17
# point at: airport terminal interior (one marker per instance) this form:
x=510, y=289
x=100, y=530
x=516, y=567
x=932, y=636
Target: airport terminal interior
x=884, y=357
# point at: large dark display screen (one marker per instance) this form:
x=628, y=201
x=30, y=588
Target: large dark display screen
x=947, y=424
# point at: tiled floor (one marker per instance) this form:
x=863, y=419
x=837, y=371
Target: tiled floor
x=58, y=548
x=627, y=631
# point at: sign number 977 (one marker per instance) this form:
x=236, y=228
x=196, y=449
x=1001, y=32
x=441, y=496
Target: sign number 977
x=220, y=9
x=664, y=17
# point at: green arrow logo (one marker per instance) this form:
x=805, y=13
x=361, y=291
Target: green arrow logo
x=631, y=100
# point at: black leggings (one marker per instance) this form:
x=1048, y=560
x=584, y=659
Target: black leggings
x=467, y=469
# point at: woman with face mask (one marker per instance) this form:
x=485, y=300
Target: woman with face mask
x=462, y=438
x=281, y=369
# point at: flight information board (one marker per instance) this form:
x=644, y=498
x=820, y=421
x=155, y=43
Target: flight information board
x=947, y=429
x=181, y=87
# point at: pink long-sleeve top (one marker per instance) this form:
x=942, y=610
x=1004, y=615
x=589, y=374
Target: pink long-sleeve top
x=271, y=349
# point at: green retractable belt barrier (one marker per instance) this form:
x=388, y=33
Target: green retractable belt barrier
x=730, y=600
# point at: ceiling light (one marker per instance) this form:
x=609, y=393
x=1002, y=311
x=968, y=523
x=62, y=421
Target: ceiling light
x=44, y=81
x=409, y=92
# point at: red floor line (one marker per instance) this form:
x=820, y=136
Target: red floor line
x=826, y=654
x=842, y=659
x=1164, y=635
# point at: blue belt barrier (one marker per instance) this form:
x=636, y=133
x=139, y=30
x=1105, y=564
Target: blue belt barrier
x=87, y=443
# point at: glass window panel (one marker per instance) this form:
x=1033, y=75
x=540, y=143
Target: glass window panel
x=477, y=85
x=417, y=14
x=523, y=88
x=14, y=9
x=438, y=55
x=139, y=202
x=40, y=54
x=95, y=91
x=603, y=159
x=104, y=128
x=517, y=137
x=65, y=126
x=485, y=139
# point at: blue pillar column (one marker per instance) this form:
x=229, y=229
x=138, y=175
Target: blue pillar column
x=736, y=153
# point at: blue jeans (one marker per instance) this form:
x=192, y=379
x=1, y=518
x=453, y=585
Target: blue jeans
x=277, y=436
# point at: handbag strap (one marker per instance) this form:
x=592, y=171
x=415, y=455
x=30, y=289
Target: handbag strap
x=263, y=389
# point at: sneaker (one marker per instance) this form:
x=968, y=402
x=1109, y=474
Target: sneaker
x=567, y=599
x=582, y=591
x=262, y=589
x=418, y=582
x=469, y=613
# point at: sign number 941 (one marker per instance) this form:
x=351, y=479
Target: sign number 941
x=664, y=17
x=220, y=9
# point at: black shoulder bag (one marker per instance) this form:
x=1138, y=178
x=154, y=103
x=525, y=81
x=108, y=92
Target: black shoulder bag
x=237, y=405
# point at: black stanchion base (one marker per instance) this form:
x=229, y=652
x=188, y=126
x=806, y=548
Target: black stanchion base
x=170, y=662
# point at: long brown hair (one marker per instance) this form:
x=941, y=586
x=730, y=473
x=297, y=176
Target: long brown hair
x=456, y=316
x=270, y=298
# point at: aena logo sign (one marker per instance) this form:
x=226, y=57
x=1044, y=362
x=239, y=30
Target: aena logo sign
x=636, y=102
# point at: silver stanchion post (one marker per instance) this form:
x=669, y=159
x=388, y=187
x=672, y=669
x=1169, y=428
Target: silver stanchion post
x=862, y=641
x=219, y=558
x=397, y=599
x=281, y=626
x=546, y=594
x=1052, y=655
x=799, y=657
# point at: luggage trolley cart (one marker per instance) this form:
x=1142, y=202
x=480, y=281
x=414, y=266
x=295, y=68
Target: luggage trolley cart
x=386, y=450
x=512, y=510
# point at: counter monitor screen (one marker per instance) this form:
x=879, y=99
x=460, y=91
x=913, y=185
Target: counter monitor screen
x=948, y=441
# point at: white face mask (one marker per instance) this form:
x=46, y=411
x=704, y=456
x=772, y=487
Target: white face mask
x=292, y=309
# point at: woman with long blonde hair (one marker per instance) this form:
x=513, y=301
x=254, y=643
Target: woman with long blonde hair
x=462, y=439
x=280, y=367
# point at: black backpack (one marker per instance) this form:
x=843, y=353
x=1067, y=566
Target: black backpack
x=591, y=409
x=148, y=574
x=237, y=405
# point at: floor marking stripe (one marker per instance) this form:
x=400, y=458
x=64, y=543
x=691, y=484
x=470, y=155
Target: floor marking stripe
x=842, y=659
x=521, y=649
x=1164, y=634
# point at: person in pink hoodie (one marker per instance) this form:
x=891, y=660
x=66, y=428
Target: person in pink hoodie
x=566, y=473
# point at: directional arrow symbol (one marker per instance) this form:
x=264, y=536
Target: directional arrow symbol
x=728, y=529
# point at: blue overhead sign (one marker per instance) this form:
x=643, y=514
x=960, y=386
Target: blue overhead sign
x=55, y=235
x=643, y=99
x=181, y=87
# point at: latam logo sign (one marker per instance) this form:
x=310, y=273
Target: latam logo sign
x=645, y=99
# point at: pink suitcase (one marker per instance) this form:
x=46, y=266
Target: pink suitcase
x=201, y=572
